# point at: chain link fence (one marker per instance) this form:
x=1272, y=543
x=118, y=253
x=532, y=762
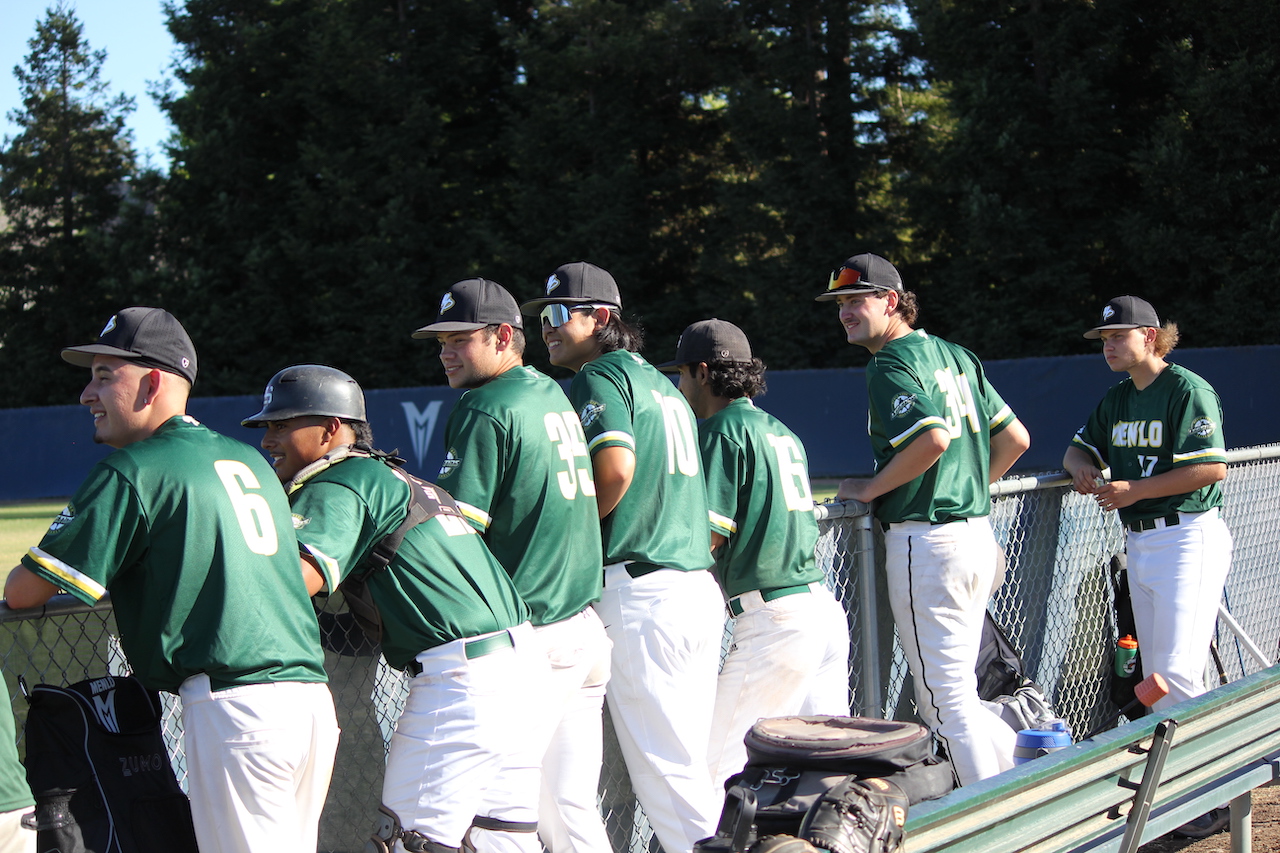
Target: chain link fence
x=1056, y=603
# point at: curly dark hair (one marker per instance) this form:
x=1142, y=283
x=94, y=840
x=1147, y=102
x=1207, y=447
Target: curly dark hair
x=734, y=380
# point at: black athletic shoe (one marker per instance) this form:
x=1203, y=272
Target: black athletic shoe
x=1210, y=823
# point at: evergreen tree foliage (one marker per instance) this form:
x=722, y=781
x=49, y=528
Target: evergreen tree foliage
x=1095, y=149
x=65, y=262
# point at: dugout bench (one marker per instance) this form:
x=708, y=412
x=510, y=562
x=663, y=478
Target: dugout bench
x=1124, y=787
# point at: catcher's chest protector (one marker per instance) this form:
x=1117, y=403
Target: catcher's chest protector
x=793, y=761
x=97, y=764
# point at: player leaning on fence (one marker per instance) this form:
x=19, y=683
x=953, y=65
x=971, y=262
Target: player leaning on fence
x=449, y=617
x=941, y=434
x=790, y=651
x=1160, y=431
x=517, y=465
x=191, y=536
x=660, y=605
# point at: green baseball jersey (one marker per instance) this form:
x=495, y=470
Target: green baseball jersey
x=622, y=400
x=443, y=583
x=918, y=383
x=189, y=531
x=758, y=498
x=517, y=465
x=1174, y=421
x=14, y=793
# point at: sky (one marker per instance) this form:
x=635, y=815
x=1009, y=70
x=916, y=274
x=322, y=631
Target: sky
x=139, y=50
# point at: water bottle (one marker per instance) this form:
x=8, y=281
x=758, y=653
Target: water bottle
x=1042, y=740
x=1126, y=656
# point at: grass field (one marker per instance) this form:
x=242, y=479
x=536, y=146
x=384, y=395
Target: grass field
x=21, y=526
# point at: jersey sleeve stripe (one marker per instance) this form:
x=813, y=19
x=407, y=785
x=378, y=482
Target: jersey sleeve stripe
x=475, y=515
x=1001, y=418
x=328, y=567
x=918, y=427
x=723, y=525
x=75, y=582
x=612, y=435
x=1079, y=442
x=1213, y=454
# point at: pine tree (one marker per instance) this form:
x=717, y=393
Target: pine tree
x=62, y=180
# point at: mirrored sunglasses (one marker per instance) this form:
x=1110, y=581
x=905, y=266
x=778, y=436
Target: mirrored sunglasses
x=558, y=313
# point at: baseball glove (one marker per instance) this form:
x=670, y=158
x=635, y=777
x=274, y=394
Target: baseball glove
x=857, y=816
x=782, y=844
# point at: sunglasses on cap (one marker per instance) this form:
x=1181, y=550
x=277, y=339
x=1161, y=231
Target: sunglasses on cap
x=845, y=277
x=558, y=313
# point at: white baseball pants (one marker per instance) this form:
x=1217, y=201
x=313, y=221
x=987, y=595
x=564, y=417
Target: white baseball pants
x=259, y=759
x=788, y=656
x=1176, y=577
x=578, y=650
x=463, y=720
x=666, y=628
x=939, y=579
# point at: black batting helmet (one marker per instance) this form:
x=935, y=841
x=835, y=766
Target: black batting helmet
x=309, y=389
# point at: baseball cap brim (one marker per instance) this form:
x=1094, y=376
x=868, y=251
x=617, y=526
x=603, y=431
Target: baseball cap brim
x=831, y=295
x=1095, y=333
x=534, y=307
x=449, y=326
x=83, y=356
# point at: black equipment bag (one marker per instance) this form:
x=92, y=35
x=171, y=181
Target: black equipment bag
x=1122, y=686
x=793, y=761
x=97, y=764
x=1003, y=684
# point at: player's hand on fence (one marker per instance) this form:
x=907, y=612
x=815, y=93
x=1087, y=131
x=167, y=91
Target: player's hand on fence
x=853, y=489
x=1115, y=495
x=1086, y=479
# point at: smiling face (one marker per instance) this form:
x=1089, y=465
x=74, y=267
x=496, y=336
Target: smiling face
x=295, y=443
x=573, y=344
x=470, y=358
x=117, y=398
x=867, y=318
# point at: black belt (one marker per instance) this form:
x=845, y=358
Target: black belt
x=1152, y=523
x=472, y=649
x=638, y=569
x=885, y=525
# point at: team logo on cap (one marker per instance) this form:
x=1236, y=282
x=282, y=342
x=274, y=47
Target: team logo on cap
x=553, y=282
x=1108, y=313
x=186, y=362
x=902, y=404
x=111, y=324
x=1203, y=427
x=590, y=413
x=446, y=303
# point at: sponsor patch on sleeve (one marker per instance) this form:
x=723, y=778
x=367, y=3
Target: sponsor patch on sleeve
x=590, y=413
x=1203, y=427
x=450, y=464
x=902, y=405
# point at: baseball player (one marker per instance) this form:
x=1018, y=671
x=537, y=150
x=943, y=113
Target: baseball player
x=790, y=651
x=15, y=796
x=661, y=607
x=449, y=616
x=1160, y=432
x=188, y=532
x=941, y=434
x=518, y=467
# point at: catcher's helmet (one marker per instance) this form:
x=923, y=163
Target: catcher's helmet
x=309, y=389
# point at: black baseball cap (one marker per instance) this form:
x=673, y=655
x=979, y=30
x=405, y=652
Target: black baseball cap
x=865, y=273
x=712, y=341
x=151, y=337
x=473, y=304
x=577, y=283
x=1125, y=312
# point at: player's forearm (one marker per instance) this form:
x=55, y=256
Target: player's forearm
x=1082, y=468
x=311, y=574
x=24, y=588
x=906, y=465
x=1007, y=447
x=1179, y=481
x=613, y=469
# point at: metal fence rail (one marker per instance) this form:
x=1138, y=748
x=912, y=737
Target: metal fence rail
x=1055, y=602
